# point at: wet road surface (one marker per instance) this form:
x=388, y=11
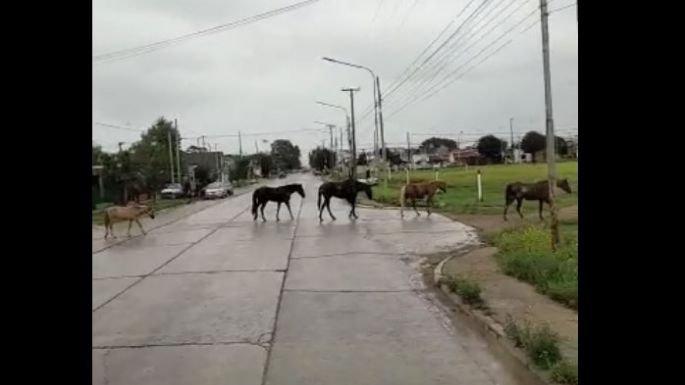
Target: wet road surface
x=216, y=298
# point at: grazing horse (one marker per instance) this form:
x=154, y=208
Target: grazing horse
x=414, y=191
x=128, y=213
x=538, y=191
x=281, y=194
x=344, y=190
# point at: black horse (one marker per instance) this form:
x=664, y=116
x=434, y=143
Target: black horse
x=281, y=194
x=538, y=191
x=345, y=190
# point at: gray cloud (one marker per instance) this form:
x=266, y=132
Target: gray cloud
x=266, y=76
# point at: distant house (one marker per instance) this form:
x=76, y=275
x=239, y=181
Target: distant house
x=212, y=161
x=469, y=156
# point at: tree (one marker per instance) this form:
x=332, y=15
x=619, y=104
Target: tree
x=533, y=142
x=285, y=155
x=561, y=146
x=321, y=159
x=434, y=143
x=491, y=147
x=150, y=155
x=265, y=162
x=239, y=169
x=394, y=158
x=361, y=160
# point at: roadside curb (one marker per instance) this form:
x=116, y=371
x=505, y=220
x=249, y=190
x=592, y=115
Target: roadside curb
x=487, y=326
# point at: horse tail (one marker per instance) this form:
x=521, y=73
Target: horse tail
x=403, y=192
x=255, y=202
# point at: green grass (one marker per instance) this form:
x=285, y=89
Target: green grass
x=565, y=373
x=525, y=253
x=467, y=289
x=160, y=204
x=541, y=344
x=461, y=196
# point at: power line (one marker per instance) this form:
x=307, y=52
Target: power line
x=147, y=48
x=562, y=8
x=118, y=127
x=449, y=55
x=445, y=82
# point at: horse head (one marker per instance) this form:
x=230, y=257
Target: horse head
x=441, y=185
x=299, y=189
x=564, y=185
x=366, y=188
x=149, y=211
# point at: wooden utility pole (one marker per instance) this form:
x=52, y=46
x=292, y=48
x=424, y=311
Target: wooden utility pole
x=178, y=152
x=353, y=140
x=171, y=157
x=549, y=120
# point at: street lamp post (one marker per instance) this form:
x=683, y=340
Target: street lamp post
x=347, y=121
x=376, y=99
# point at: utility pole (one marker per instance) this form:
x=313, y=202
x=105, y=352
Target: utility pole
x=330, y=128
x=171, y=157
x=511, y=133
x=240, y=145
x=380, y=117
x=409, y=149
x=256, y=146
x=551, y=153
x=353, y=141
x=178, y=152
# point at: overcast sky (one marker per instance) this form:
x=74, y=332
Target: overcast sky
x=266, y=76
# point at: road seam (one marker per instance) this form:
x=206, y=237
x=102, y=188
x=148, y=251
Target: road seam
x=272, y=341
x=167, y=262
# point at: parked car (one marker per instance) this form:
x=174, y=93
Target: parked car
x=317, y=172
x=281, y=175
x=172, y=191
x=218, y=190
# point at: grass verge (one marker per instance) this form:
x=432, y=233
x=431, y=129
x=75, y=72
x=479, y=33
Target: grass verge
x=467, y=289
x=525, y=253
x=541, y=344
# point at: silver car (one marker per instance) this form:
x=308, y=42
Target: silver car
x=172, y=191
x=218, y=190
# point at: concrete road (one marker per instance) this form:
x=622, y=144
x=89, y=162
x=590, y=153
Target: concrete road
x=215, y=298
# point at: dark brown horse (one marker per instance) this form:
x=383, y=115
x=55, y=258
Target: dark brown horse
x=263, y=195
x=414, y=191
x=538, y=191
x=345, y=190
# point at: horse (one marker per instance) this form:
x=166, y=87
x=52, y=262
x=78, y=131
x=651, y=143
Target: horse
x=538, y=191
x=347, y=190
x=281, y=194
x=129, y=213
x=415, y=191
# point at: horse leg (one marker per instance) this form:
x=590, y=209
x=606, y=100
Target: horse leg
x=321, y=211
x=429, y=202
x=262, y=211
x=508, y=203
x=141, y=227
x=352, y=212
x=413, y=204
x=328, y=205
x=519, y=202
x=287, y=204
x=278, y=210
x=129, y=227
x=541, y=204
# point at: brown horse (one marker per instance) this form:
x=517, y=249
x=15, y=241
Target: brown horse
x=538, y=191
x=128, y=213
x=414, y=191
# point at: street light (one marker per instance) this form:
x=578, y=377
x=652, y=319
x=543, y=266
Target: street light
x=347, y=119
x=376, y=98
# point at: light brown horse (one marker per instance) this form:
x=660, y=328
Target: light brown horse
x=414, y=191
x=128, y=213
